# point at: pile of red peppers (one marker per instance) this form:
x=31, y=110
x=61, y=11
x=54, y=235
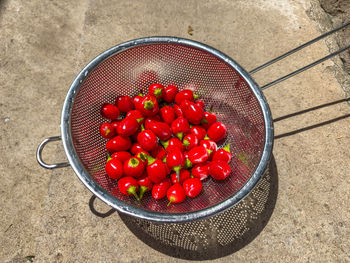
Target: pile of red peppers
x=166, y=144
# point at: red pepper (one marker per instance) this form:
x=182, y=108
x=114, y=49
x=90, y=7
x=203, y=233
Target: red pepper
x=121, y=156
x=172, y=143
x=175, y=161
x=192, y=112
x=160, y=129
x=223, y=154
x=148, y=106
x=118, y=143
x=201, y=170
x=156, y=170
x=128, y=186
x=106, y=130
x=135, y=147
x=147, y=139
x=176, y=194
x=185, y=94
x=169, y=93
x=178, y=111
x=145, y=184
x=192, y=187
x=137, y=99
x=137, y=115
x=208, y=119
x=110, y=111
x=184, y=174
x=198, y=154
x=217, y=131
x=168, y=114
x=219, y=170
x=180, y=127
x=156, y=90
x=190, y=141
x=210, y=145
x=124, y=103
x=133, y=167
x=114, y=169
x=200, y=103
x=115, y=125
x=150, y=119
x=128, y=126
x=199, y=131
x=159, y=190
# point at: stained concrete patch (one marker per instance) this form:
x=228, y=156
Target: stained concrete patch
x=46, y=43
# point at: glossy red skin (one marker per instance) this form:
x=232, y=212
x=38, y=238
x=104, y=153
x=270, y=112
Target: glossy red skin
x=134, y=170
x=210, y=118
x=210, y=145
x=192, y=112
x=107, y=130
x=148, y=120
x=169, y=93
x=174, y=142
x=135, y=148
x=125, y=183
x=156, y=90
x=199, y=131
x=159, y=152
x=176, y=194
x=137, y=115
x=167, y=114
x=160, y=129
x=128, y=126
x=145, y=184
x=180, y=125
x=222, y=155
x=175, y=158
x=118, y=143
x=137, y=100
x=192, y=187
x=201, y=170
x=114, y=169
x=198, y=154
x=190, y=141
x=219, y=170
x=124, y=103
x=148, y=112
x=147, y=139
x=110, y=111
x=200, y=103
x=178, y=111
x=115, y=125
x=185, y=94
x=159, y=190
x=145, y=181
x=184, y=174
x=121, y=156
x=157, y=171
x=217, y=131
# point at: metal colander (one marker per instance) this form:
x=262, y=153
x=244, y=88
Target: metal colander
x=220, y=82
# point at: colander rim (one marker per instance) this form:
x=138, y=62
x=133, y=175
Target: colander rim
x=128, y=209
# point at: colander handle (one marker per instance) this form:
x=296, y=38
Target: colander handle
x=39, y=154
x=297, y=49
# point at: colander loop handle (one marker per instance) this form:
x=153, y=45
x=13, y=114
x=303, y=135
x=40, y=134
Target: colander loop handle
x=39, y=154
x=297, y=49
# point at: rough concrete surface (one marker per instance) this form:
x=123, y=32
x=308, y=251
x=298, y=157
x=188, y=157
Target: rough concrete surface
x=44, y=44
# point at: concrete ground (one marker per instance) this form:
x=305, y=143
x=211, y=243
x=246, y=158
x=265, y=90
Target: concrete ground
x=45, y=215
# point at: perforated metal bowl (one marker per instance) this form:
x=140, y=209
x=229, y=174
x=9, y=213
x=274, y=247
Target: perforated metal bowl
x=215, y=77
